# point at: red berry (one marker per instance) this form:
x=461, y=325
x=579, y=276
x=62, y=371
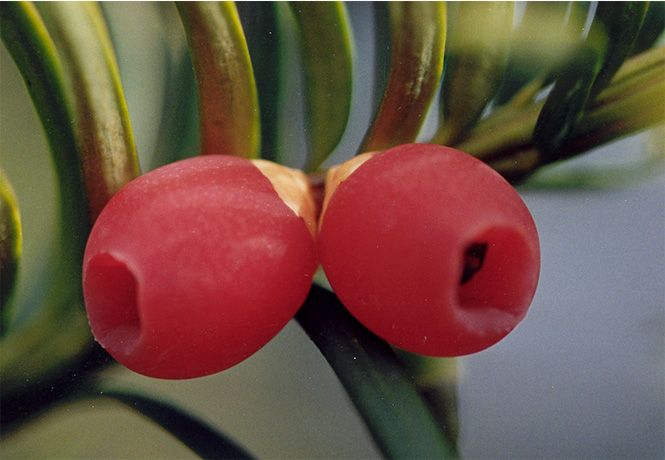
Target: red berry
x=193, y=267
x=430, y=249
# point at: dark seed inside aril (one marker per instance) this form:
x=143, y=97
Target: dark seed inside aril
x=474, y=255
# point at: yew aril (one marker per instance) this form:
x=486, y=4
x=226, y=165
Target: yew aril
x=193, y=267
x=429, y=248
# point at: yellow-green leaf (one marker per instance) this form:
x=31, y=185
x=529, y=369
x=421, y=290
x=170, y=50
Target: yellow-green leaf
x=101, y=119
x=565, y=103
x=325, y=38
x=589, y=69
x=652, y=27
x=228, y=102
x=417, y=41
x=476, y=57
x=264, y=25
x=536, y=45
x=10, y=247
x=66, y=85
x=622, y=21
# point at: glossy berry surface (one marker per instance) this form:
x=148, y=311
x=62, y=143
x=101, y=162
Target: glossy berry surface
x=430, y=249
x=193, y=267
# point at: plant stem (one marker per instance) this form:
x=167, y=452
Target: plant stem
x=633, y=102
x=386, y=398
x=436, y=381
x=640, y=107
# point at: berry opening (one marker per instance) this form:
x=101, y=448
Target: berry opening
x=496, y=272
x=112, y=303
x=474, y=256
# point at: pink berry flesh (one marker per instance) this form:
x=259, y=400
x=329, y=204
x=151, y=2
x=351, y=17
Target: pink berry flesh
x=430, y=249
x=193, y=267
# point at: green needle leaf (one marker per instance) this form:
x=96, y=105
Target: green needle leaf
x=476, y=57
x=103, y=129
x=622, y=21
x=537, y=43
x=545, y=56
x=382, y=50
x=203, y=439
x=565, y=104
x=228, y=101
x=78, y=98
x=38, y=346
x=632, y=102
x=263, y=29
x=396, y=416
x=26, y=38
x=10, y=247
x=326, y=52
x=589, y=70
x=635, y=71
x=417, y=41
x=572, y=87
x=178, y=135
x=652, y=27
x=621, y=110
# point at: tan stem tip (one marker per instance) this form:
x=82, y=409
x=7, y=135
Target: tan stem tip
x=338, y=174
x=294, y=188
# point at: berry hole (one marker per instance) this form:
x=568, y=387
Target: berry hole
x=495, y=272
x=111, y=297
x=474, y=256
